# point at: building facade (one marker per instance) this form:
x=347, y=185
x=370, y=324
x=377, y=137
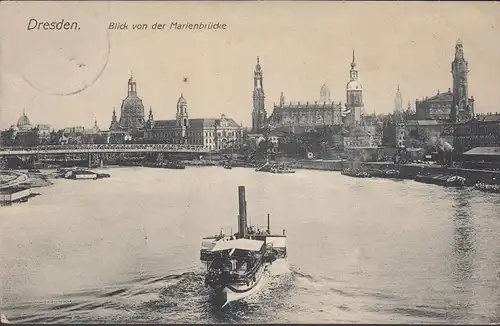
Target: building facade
x=482, y=131
x=212, y=133
x=360, y=137
x=437, y=107
x=302, y=117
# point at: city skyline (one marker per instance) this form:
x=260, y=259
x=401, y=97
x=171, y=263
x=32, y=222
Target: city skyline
x=219, y=65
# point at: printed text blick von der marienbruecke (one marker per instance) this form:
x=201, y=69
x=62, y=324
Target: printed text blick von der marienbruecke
x=62, y=25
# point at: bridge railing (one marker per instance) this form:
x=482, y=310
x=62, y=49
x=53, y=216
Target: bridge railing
x=108, y=147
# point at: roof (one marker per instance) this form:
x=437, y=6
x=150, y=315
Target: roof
x=486, y=151
x=194, y=123
x=158, y=124
x=424, y=123
x=489, y=117
x=441, y=97
x=307, y=105
x=241, y=244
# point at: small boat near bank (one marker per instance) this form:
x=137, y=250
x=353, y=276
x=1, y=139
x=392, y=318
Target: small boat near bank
x=81, y=174
x=445, y=180
x=173, y=165
x=388, y=174
x=275, y=168
x=282, y=169
x=487, y=187
x=236, y=262
x=355, y=173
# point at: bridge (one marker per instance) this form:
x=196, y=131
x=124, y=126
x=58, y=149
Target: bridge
x=103, y=148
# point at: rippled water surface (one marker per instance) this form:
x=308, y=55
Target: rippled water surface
x=126, y=249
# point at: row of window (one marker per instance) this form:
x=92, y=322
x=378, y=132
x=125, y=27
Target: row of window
x=486, y=141
x=483, y=130
x=163, y=134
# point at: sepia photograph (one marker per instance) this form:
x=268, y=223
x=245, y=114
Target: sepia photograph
x=284, y=162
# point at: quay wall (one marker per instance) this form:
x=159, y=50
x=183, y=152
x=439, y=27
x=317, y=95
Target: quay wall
x=408, y=171
x=326, y=165
x=339, y=165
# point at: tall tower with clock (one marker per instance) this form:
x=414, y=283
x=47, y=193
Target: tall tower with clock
x=462, y=108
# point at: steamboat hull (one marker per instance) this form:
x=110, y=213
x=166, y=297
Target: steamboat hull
x=223, y=294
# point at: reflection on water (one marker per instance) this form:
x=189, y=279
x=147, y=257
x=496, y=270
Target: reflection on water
x=367, y=251
x=464, y=242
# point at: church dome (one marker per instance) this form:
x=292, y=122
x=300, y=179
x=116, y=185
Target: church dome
x=132, y=113
x=23, y=121
x=132, y=103
x=354, y=85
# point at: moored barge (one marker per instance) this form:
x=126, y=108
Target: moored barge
x=445, y=180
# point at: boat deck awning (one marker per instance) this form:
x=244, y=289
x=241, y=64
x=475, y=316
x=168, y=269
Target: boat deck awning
x=241, y=244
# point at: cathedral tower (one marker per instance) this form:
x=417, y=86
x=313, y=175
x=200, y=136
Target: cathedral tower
x=354, y=92
x=181, y=116
x=461, y=108
x=259, y=114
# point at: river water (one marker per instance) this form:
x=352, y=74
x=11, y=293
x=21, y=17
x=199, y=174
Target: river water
x=126, y=249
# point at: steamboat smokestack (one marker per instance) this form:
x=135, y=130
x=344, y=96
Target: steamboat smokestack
x=242, y=217
x=268, y=224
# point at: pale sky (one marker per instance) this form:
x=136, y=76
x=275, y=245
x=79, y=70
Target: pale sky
x=301, y=46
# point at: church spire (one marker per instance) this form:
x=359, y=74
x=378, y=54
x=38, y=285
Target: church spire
x=398, y=101
x=353, y=63
x=259, y=115
x=353, y=71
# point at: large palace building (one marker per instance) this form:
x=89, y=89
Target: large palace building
x=299, y=117
x=212, y=133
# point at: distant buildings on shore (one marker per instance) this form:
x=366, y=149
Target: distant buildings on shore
x=445, y=120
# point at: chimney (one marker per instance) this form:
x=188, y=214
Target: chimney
x=242, y=217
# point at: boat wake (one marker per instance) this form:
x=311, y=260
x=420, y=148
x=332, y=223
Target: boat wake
x=175, y=298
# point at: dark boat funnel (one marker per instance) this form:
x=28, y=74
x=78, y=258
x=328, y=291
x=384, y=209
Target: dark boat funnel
x=268, y=224
x=242, y=217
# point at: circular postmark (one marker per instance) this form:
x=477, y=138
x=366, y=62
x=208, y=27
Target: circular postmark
x=63, y=62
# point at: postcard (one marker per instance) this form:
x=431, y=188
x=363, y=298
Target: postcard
x=249, y=162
